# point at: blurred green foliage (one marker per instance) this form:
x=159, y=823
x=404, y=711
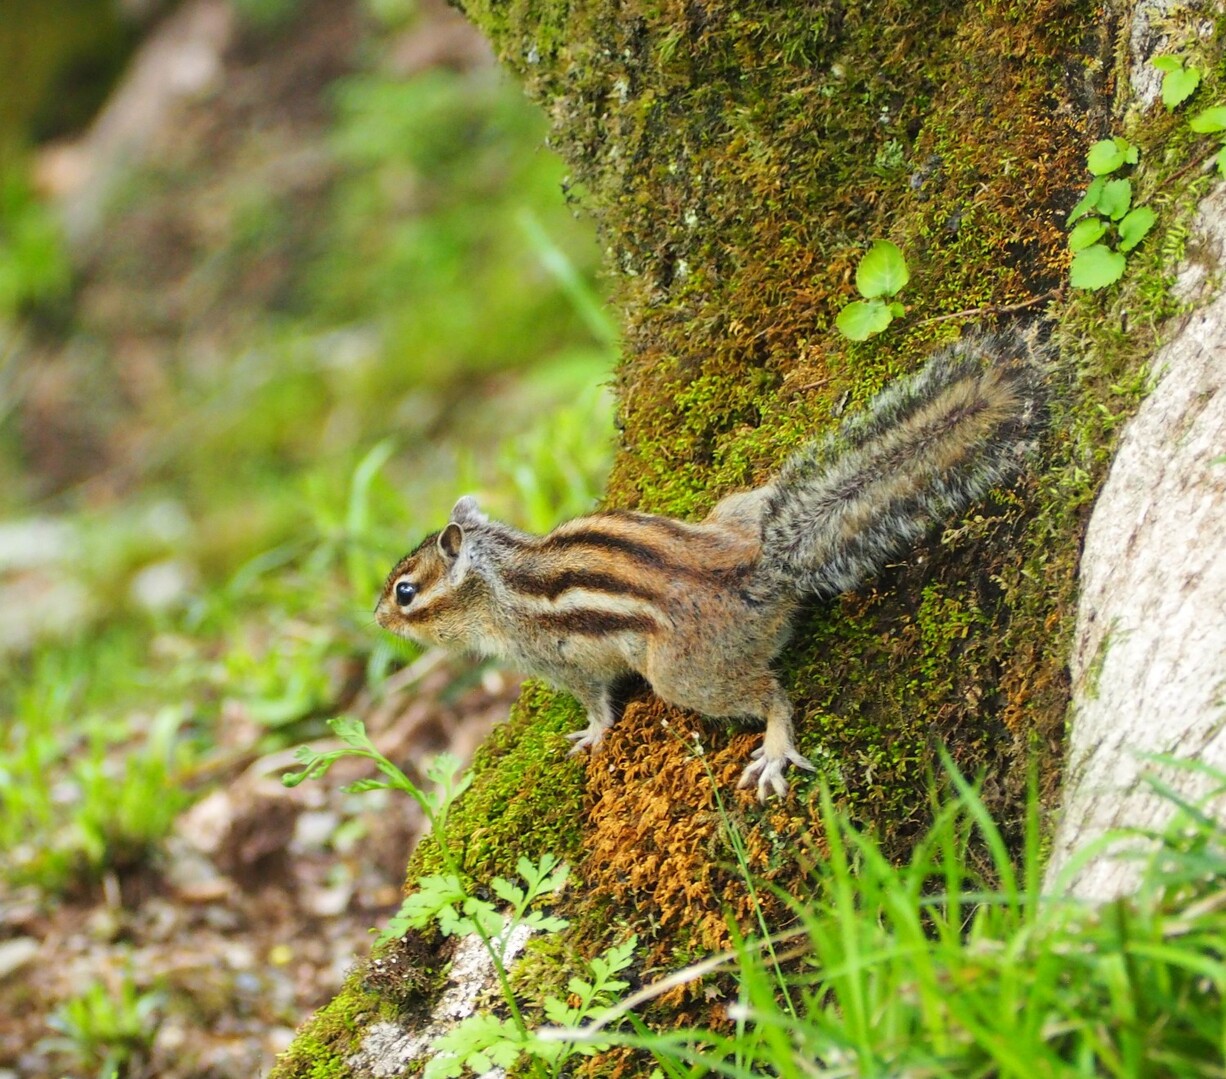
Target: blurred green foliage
x=434, y=331
x=442, y=264
x=34, y=266
x=101, y=1029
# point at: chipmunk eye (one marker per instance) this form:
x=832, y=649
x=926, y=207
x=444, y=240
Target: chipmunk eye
x=405, y=593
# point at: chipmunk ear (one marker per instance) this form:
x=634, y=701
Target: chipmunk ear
x=450, y=541
x=466, y=512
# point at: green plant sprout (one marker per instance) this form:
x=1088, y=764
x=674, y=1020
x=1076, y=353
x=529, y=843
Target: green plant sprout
x=484, y=1041
x=1105, y=216
x=1179, y=80
x=103, y=1030
x=438, y=897
x=881, y=274
x=1212, y=121
x=481, y=1041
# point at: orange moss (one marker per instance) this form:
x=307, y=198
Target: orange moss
x=657, y=835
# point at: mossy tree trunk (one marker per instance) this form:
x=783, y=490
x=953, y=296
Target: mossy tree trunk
x=739, y=157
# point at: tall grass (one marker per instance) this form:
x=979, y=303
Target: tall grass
x=933, y=968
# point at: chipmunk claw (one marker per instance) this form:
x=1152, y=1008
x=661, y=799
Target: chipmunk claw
x=766, y=773
x=589, y=738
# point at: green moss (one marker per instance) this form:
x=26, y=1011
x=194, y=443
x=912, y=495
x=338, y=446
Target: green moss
x=525, y=797
x=327, y=1040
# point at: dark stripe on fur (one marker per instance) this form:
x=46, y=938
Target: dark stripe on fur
x=554, y=584
x=640, y=552
x=595, y=623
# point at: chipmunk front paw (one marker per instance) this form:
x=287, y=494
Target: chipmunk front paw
x=589, y=738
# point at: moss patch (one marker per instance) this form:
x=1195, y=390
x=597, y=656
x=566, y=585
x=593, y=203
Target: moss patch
x=327, y=1040
x=526, y=798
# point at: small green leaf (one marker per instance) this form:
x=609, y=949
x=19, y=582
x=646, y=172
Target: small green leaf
x=882, y=271
x=1221, y=160
x=583, y=990
x=1089, y=201
x=1116, y=199
x=442, y=768
x=443, y=1066
x=350, y=731
x=1086, y=232
x=1178, y=85
x=897, y=309
x=1107, y=155
x=507, y=892
x=362, y=786
x=1096, y=267
x=860, y=319
x=1167, y=63
x=1135, y=225
x=1209, y=121
x=546, y=923
x=559, y=1014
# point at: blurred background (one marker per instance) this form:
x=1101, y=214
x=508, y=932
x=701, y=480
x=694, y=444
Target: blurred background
x=279, y=279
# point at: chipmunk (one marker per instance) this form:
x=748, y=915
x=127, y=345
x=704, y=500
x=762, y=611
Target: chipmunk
x=701, y=610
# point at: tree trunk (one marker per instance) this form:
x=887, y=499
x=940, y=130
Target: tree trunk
x=739, y=158
x=1149, y=654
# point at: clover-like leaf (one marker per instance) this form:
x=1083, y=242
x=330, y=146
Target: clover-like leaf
x=882, y=271
x=1086, y=232
x=1089, y=201
x=1220, y=159
x=860, y=319
x=1135, y=225
x=1108, y=155
x=1178, y=85
x=1096, y=267
x=1209, y=121
x=1116, y=199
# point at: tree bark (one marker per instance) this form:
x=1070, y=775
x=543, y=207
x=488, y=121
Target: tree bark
x=1149, y=654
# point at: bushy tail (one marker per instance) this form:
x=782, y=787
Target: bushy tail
x=925, y=448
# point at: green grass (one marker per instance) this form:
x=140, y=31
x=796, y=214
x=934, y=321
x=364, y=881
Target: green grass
x=101, y=1030
x=936, y=968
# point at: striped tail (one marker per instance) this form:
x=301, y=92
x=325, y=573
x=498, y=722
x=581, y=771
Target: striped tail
x=926, y=447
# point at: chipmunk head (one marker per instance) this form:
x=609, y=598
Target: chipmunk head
x=429, y=595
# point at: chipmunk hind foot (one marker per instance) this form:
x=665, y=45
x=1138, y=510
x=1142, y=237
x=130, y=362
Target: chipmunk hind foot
x=771, y=760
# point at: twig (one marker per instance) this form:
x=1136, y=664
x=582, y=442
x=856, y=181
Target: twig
x=1196, y=162
x=811, y=385
x=995, y=308
x=679, y=977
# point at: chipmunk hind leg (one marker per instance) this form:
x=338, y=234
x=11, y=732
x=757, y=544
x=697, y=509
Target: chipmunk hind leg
x=778, y=749
x=598, y=699
x=756, y=694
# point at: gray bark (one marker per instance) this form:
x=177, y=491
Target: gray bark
x=1149, y=655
